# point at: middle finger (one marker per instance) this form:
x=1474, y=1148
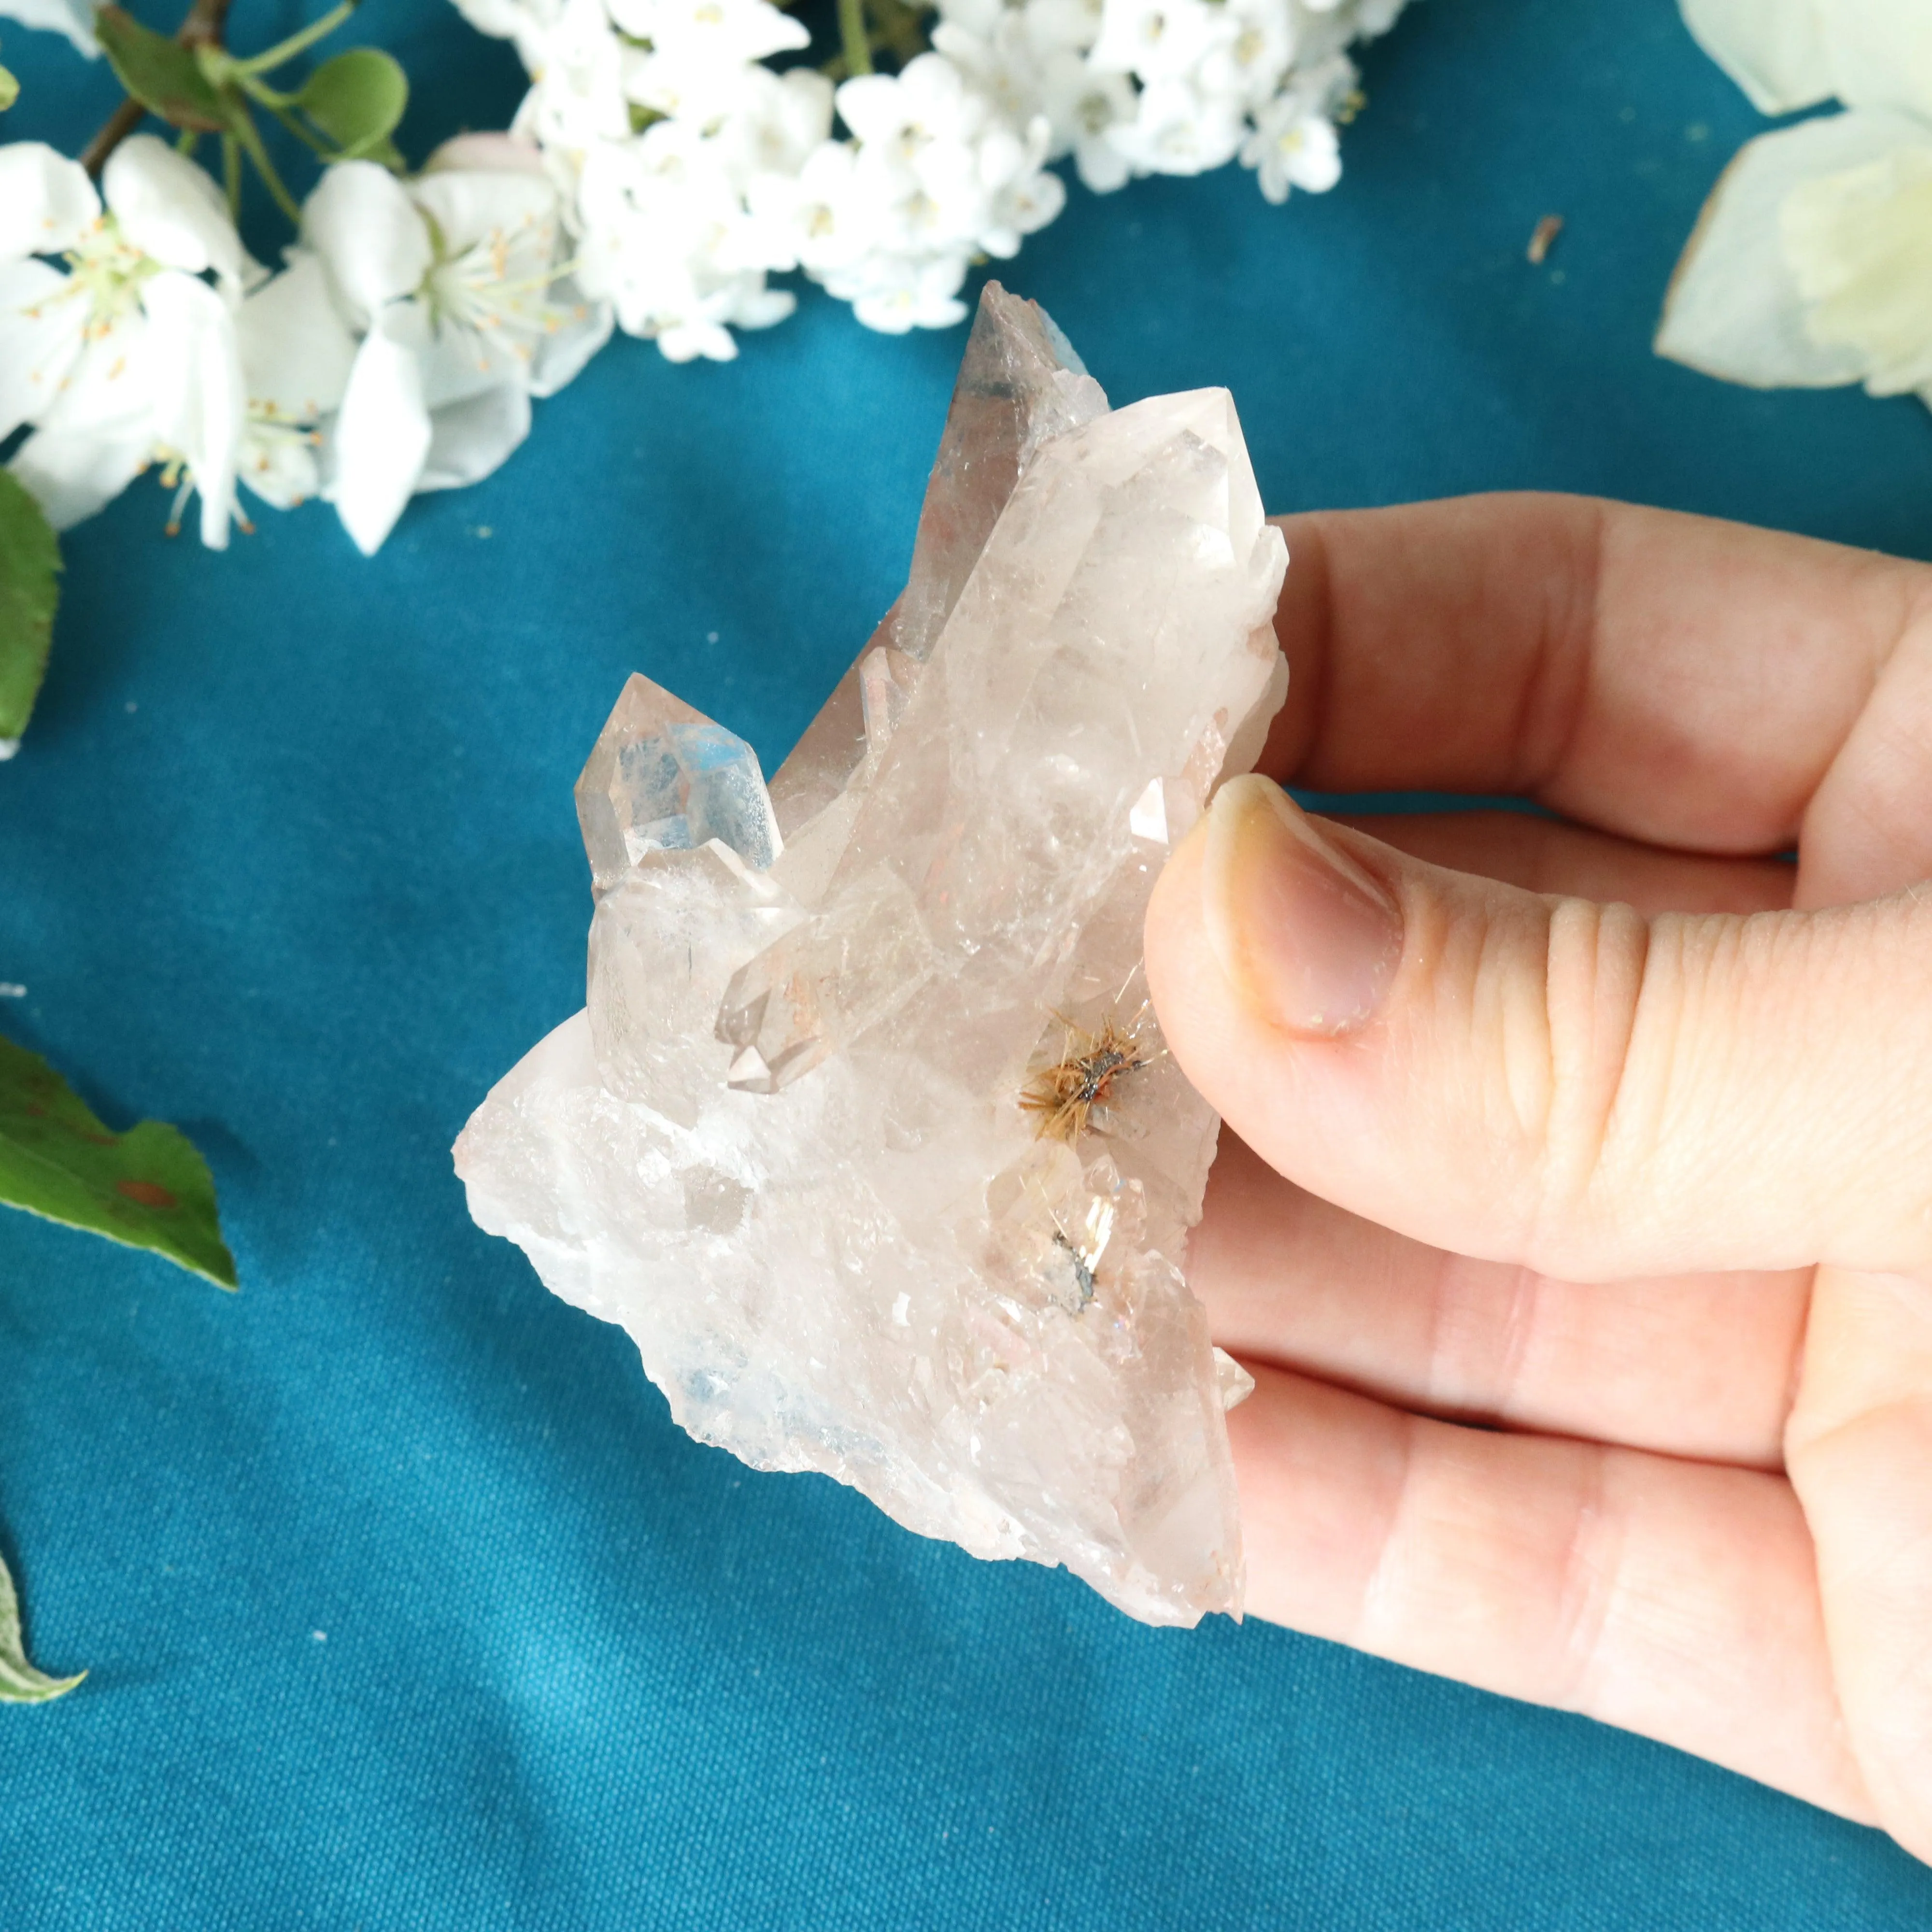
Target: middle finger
x=1699, y=1365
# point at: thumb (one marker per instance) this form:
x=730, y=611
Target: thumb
x=1546, y=1080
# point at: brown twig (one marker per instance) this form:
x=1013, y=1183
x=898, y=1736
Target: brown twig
x=118, y=126
x=205, y=26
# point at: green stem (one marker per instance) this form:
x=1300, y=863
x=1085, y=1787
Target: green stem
x=270, y=98
x=295, y=43
x=300, y=130
x=854, y=38
x=251, y=141
x=231, y=174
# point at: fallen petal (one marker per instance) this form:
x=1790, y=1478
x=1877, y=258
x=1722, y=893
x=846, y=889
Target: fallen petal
x=1735, y=309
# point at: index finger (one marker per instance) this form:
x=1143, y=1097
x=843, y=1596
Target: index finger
x=1673, y=678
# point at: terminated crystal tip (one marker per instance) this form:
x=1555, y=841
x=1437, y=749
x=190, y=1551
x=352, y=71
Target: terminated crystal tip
x=662, y=778
x=868, y=1135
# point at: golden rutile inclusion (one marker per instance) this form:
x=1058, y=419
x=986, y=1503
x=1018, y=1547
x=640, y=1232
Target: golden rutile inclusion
x=1066, y=1097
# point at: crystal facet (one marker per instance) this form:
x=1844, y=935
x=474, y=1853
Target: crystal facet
x=867, y=1136
x=661, y=777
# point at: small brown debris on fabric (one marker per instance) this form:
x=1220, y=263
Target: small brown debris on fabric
x=1544, y=239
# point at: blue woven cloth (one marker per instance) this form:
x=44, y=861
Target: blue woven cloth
x=406, y=1605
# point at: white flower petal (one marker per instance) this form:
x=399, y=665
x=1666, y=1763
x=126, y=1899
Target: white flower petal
x=472, y=438
x=171, y=209
x=686, y=341
x=372, y=240
x=1735, y=309
x=1859, y=245
x=46, y=202
x=1881, y=53
x=72, y=475
x=1102, y=165
x=561, y=356
x=73, y=18
x=457, y=364
x=296, y=351
x=870, y=105
x=472, y=205
x=506, y=154
x=523, y=21
x=277, y=464
x=198, y=403
x=98, y=433
x=378, y=443
x=1774, y=49
x=758, y=307
x=110, y=389
x=40, y=338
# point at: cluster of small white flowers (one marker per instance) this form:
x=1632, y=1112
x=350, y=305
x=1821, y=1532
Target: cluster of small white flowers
x=693, y=170
x=1172, y=87
x=657, y=172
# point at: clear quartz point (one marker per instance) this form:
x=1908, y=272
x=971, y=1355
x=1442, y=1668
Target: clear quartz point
x=867, y=1136
x=662, y=777
x=1020, y=382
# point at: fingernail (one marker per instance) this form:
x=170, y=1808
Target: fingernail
x=1308, y=938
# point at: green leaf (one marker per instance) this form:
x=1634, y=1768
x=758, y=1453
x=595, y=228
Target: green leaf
x=20, y=1683
x=9, y=90
x=160, y=73
x=148, y=1188
x=356, y=100
x=30, y=563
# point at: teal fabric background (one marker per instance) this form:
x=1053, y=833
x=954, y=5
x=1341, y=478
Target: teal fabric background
x=405, y=1605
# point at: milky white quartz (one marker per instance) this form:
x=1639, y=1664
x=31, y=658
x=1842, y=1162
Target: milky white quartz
x=784, y=1145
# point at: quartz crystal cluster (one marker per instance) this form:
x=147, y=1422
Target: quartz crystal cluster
x=867, y=1136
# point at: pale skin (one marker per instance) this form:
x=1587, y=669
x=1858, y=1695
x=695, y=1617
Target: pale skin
x=1627, y=1157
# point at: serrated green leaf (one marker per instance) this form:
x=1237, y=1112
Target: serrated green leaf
x=160, y=73
x=20, y=1683
x=148, y=1188
x=30, y=563
x=356, y=100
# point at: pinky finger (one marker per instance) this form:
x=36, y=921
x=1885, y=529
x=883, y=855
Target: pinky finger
x=1678, y=1599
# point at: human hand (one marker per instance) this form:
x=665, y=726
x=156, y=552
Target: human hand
x=1643, y=1189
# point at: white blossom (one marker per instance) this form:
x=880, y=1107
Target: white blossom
x=448, y=306
x=1083, y=106
x=577, y=66
x=894, y=293
x=699, y=51
x=691, y=171
x=994, y=48
x=666, y=238
x=900, y=119
x=1179, y=128
x=1250, y=62
x=1812, y=265
x=777, y=122
x=824, y=219
x=129, y=356
x=1160, y=39
x=1291, y=148
x=1058, y=26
